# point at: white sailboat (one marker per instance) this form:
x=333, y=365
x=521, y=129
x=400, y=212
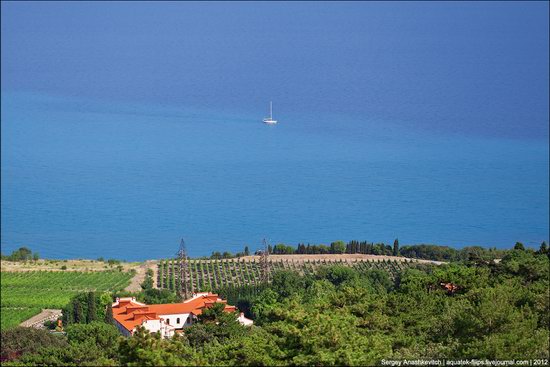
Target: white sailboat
x=269, y=120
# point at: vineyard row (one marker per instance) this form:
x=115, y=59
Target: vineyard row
x=207, y=275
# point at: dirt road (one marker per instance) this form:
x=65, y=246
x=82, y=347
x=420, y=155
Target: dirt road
x=141, y=271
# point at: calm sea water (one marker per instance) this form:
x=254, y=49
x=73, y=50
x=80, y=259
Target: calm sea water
x=92, y=182
x=432, y=128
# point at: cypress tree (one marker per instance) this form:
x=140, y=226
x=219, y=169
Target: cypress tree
x=78, y=313
x=109, y=314
x=246, y=251
x=543, y=248
x=519, y=246
x=396, y=247
x=68, y=314
x=92, y=311
x=369, y=248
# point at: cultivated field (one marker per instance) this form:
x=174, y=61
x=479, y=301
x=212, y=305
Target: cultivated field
x=246, y=271
x=70, y=265
x=24, y=294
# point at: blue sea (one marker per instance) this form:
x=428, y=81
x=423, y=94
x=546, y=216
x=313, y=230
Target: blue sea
x=126, y=127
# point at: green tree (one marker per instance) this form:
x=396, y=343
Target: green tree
x=215, y=314
x=147, y=282
x=144, y=349
x=396, y=247
x=337, y=274
x=255, y=348
x=543, y=250
x=109, y=314
x=246, y=251
x=338, y=247
x=19, y=341
x=78, y=313
x=287, y=282
x=21, y=254
x=91, y=311
x=525, y=265
x=156, y=296
x=519, y=246
x=264, y=302
x=102, y=335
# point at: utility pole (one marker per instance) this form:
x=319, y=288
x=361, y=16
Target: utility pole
x=264, y=262
x=183, y=270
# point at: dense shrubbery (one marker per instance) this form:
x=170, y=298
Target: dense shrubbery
x=94, y=344
x=18, y=341
x=340, y=316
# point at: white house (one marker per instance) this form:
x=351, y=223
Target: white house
x=166, y=319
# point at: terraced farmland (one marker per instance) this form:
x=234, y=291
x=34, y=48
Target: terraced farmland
x=24, y=294
x=205, y=275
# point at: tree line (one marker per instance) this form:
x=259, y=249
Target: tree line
x=420, y=251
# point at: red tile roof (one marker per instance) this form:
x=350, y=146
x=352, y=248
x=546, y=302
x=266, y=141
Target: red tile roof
x=130, y=313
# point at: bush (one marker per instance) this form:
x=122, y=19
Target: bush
x=19, y=341
x=21, y=254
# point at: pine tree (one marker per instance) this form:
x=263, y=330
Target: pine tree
x=246, y=251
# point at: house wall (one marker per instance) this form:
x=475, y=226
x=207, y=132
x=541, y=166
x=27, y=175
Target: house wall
x=174, y=317
x=155, y=326
x=122, y=329
x=152, y=325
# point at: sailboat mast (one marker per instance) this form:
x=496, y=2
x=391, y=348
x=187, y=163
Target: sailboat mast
x=271, y=110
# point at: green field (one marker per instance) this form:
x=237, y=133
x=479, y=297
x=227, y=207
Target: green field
x=24, y=294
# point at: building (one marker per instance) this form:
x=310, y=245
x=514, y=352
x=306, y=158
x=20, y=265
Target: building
x=165, y=319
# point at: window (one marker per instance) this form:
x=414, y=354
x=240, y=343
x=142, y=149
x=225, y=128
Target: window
x=178, y=320
x=168, y=321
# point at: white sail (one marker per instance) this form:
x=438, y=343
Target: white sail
x=269, y=120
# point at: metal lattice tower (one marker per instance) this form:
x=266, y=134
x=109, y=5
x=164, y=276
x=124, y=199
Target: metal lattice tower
x=264, y=262
x=183, y=270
